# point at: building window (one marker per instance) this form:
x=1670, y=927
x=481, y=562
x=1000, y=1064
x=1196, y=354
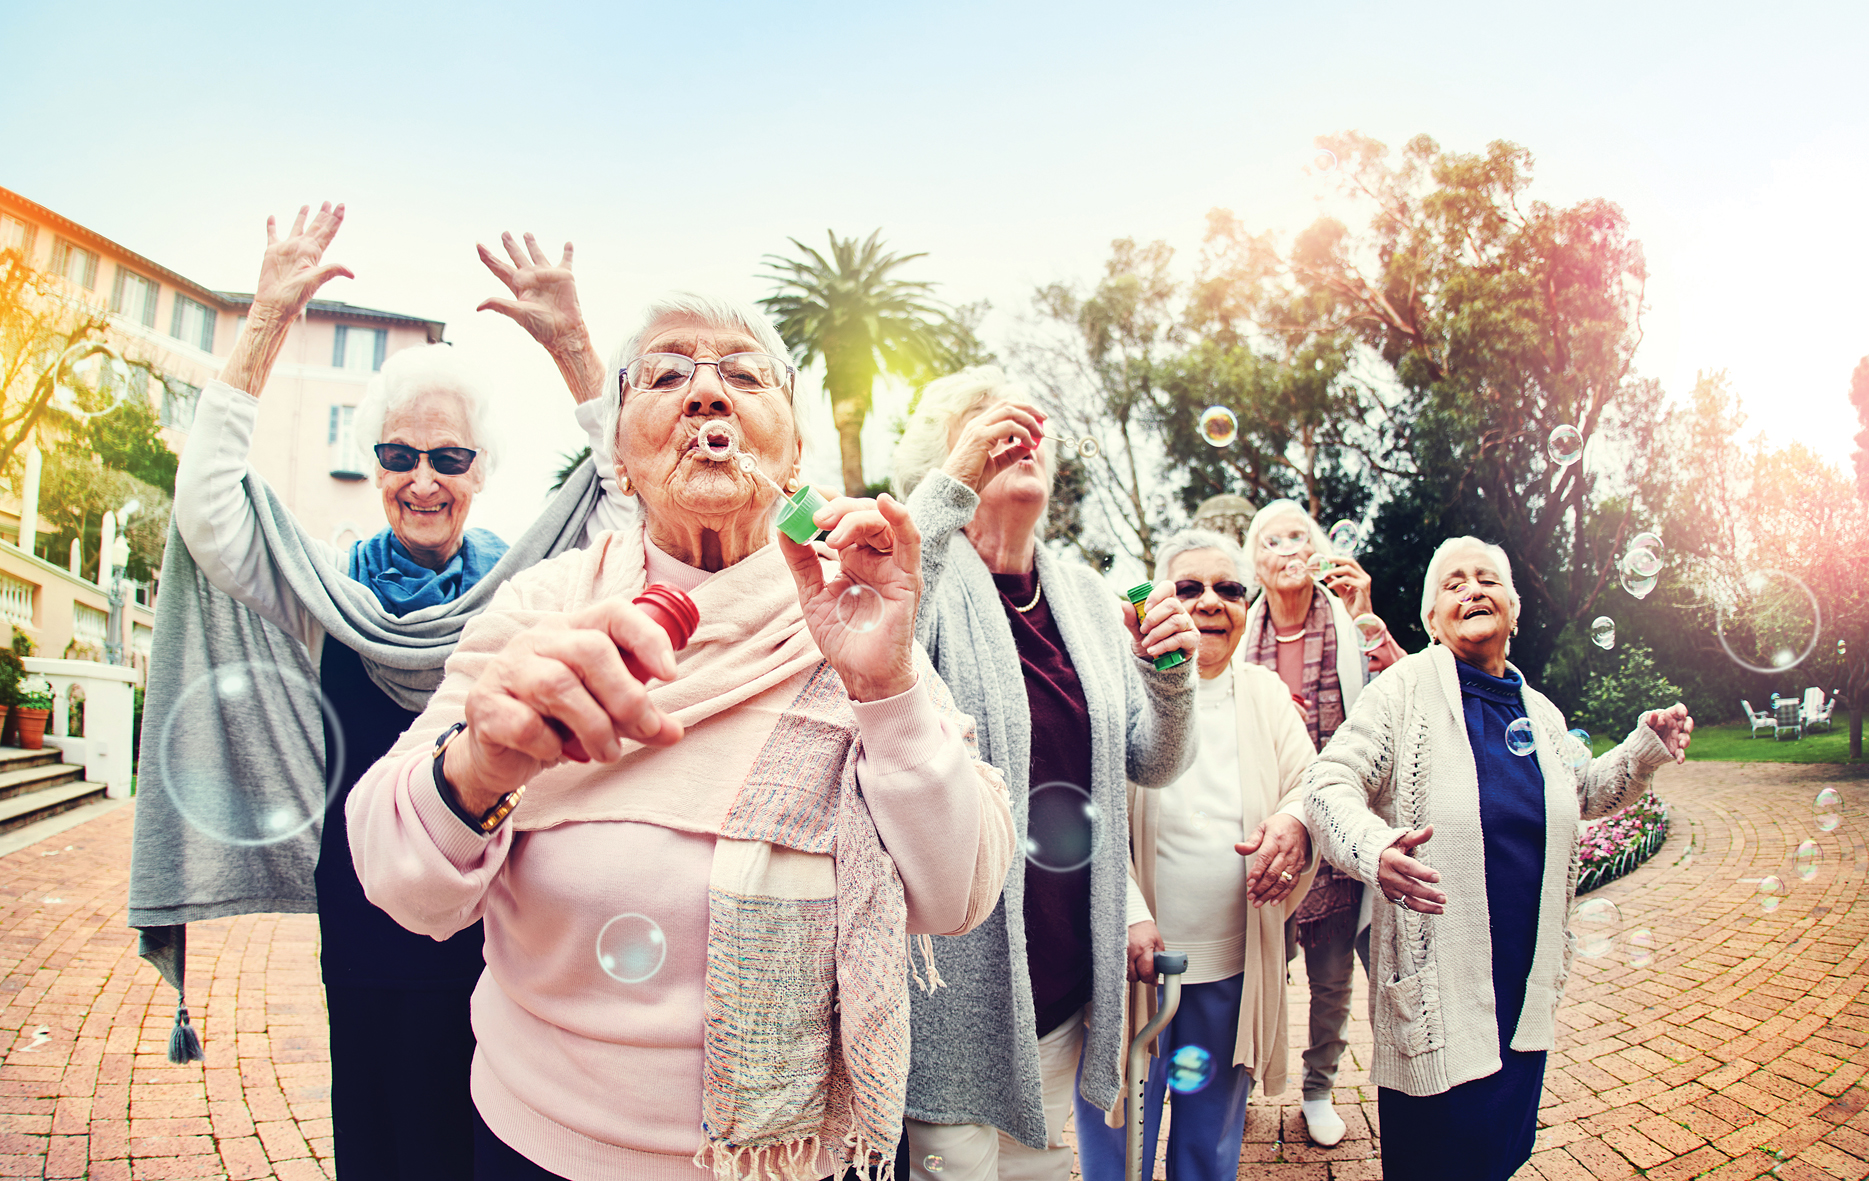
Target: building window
x=178, y=403
x=192, y=322
x=18, y=235
x=359, y=349
x=135, y=297
x=346, y=456
x=74, y=262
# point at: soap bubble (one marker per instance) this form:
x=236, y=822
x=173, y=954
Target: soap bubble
x=1771, y=892
x=1519, y=737
x=1088, y=448
x=1828, y=809
x=1372, y=632
x=1635, y=583
x=860, y=607
x=1579, y=749
x=1190, y=1069
x=745, y=462
x=1596, y=923
x=216, y=793
x=1285, y=542
x=1345, y=537
x=1843, y=648
x=631, y=948
x=1603, y=632
x=1319, y=565
x=1218, y=426
x=98, y=383
x=1648, y=541
x=1809, y=856
x=1565, y=446
x=1641, y=947
x=934, y=1163
x=1769, y=622
x=1325, y=160
x=1062, y=829
x=1642, y=562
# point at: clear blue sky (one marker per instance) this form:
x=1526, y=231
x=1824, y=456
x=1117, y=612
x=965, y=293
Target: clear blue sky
x=677, y=144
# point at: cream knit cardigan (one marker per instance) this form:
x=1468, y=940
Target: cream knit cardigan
x=1401, y=761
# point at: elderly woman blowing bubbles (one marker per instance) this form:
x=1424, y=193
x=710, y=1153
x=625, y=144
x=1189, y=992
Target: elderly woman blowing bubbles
x=697, y=919
x=1470, y=949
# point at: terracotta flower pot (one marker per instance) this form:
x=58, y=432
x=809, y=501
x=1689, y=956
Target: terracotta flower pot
x=32, y=726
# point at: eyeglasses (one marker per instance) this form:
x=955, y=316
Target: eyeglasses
x=447, y=461
x=1189, y=589
x=749, y=373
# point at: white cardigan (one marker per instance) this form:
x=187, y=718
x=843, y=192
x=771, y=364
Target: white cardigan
x=1402, y=760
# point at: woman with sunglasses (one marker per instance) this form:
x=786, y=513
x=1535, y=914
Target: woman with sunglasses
x=1060, y=678
x=1303, y=629
x=1195, y=893
x=400, y=1036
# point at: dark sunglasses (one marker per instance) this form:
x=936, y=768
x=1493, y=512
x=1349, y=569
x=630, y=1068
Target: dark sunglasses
x=447, y=461
x=1192, y=588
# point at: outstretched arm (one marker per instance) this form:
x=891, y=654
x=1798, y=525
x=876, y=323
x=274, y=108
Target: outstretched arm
x=545, y=304
x=291, y=272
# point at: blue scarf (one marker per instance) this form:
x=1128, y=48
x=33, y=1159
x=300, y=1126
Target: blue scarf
x=403, y=585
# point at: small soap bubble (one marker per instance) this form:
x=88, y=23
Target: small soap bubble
x=934, y=1163
x=1218, y=426
x=1519, y=737
x=99, y=384
x=1641, y=947
x=1603, y=632
x=1843, y=648
x=1596, y=922
x=860, y=607
x=1345, y=537
x=233, y=684
x=1285, y=542
x=631, y=948
x=1827, y=809
x=1648, y=541
x=1319, y=565
x=1565, y=445
x=1771, y=892
x=1768, y=622
x=1190, y=1069
x=1579, y=749
x=1642, y=562
x=1809, y=856
x=1635, y=584
x=1325, y=160
x=1062, y=833
x=1371, y=632
x=1088, y=448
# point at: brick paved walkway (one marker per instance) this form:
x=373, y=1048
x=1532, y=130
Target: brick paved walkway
x=1739, y=1051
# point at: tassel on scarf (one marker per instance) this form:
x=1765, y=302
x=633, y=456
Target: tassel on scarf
x=184, y=1042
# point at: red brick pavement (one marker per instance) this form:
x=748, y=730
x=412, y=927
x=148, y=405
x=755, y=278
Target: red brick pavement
x=1738, y=1052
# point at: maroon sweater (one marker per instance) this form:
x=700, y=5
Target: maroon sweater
x=1057, y=900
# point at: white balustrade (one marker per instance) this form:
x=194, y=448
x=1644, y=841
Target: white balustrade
x=109, y=707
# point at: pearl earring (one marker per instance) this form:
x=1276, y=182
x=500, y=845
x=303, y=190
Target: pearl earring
x=625, y=487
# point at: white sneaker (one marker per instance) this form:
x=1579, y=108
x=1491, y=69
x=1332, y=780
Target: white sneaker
x=1323, y=1123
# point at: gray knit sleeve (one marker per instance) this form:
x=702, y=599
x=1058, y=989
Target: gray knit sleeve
x=1162, y=738
x=1350, y=775
x=1621, y=775
x=941, y=507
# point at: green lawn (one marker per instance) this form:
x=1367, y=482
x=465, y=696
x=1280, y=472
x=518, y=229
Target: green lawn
x=1730, y=742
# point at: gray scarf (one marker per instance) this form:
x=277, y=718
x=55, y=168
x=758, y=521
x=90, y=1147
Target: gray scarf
x=269, y=739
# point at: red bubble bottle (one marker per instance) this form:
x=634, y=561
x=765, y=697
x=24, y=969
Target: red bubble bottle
x=674, y=611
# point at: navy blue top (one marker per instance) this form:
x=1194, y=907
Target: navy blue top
x=362, y=946
x=1512, y=818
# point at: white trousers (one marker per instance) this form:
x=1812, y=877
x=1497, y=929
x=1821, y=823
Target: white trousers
x=981, y=1152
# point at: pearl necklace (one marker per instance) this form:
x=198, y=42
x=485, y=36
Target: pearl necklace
x=1288, y=639
x=1038, y=592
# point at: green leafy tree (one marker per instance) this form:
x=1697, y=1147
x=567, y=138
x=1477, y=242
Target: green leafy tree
x=569, y=462
x=38, y=322
x=76, y=489
x=126, y=439
x=849, y=307
x=1615, y=699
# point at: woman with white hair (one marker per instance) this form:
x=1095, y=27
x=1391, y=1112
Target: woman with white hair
x=374, y=620
x=1471, y=947
x=1062, y=681
x=1195, y=894
x=1304, y=628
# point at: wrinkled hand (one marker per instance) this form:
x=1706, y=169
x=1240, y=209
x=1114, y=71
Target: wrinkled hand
x=1283, y=845
x=557, y=691
x=876, y=545
x=993, y=440
x=545, y=297
x=1165, y=627
x=1144, y=941
x=1673, y=727
x=292, y=270
x=1347, y=579
x=1403, y=879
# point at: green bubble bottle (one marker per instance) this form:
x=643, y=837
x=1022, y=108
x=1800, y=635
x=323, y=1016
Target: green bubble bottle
x=1139, y=595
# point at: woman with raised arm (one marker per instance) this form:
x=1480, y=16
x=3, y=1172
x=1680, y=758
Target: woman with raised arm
x=698, y=867
x=1454, y=789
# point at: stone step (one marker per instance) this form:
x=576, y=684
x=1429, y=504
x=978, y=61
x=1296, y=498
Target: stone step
x=22, y=810
x=12, y=758
x=18, y=782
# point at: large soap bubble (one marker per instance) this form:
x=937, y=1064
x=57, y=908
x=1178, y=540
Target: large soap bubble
x=1063, y=830
x=93, y=384
x=1596, y=923
x=1565, y=446
x=1769, y=622
x=1345, y=538
x=1603, y=632
x=1218, y=426
x=206, y=782
x=631, y=948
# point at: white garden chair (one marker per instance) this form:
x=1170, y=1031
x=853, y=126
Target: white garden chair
x=1760, y=719
x=1816, y=711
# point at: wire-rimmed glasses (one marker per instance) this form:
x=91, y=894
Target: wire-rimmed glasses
x=670, y=373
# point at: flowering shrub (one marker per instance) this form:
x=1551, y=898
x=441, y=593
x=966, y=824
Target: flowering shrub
x=35, y=693
x=1615, y=845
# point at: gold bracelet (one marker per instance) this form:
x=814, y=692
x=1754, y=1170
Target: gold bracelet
x=492, y=817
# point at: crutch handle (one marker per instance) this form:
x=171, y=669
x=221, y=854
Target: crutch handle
x=1170, y=963
x=1169, y=967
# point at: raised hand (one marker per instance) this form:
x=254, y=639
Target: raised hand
x=1407, y=882
x=293, y=269
x=1284, y=847
x=870, y=641
x=1165, y=627
x=1347, y=579
x=1674, y=728
x=1000, y=435
x=545, y=304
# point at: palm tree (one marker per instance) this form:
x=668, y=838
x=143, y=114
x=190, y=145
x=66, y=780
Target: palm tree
x=849, y=309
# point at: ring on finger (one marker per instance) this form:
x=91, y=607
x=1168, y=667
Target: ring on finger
x=1284, y=875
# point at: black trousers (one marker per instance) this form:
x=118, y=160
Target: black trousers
x=400, y=1109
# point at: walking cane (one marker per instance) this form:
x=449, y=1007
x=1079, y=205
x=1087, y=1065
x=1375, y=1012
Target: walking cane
x=1168, y=968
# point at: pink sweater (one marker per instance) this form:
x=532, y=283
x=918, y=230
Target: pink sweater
x=586, y=1075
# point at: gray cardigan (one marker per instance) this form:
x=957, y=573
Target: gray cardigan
x=975, y=1051
x=1402, y=760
